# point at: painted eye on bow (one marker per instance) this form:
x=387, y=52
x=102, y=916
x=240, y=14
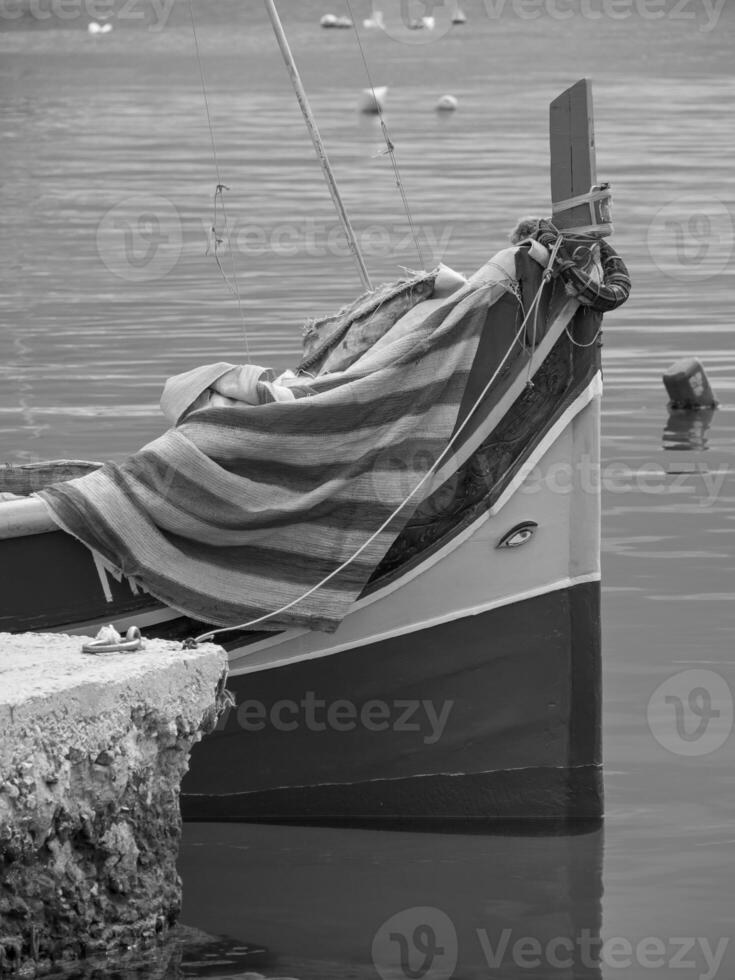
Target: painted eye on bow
x=517, y=535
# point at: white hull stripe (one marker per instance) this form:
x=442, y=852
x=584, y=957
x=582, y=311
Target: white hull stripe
x=236, y=669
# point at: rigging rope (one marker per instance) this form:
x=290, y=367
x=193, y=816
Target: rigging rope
x=546, y=277
x=214, y=240
x=390, y=146
x=210, y=634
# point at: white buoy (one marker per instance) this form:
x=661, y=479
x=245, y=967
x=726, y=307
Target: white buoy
x=375, y=21
x=447, y=103
x=331, y=20
x=372, y=101
x=94, y=28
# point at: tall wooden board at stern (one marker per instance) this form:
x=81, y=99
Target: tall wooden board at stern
x=573, y=158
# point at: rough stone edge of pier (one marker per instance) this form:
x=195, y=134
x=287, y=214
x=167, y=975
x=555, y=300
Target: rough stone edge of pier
x=92, y=753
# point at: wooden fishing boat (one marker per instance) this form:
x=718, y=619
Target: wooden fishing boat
x=464, y=681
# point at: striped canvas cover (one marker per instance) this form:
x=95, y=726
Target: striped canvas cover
x=237, y=511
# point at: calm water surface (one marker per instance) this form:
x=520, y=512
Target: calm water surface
x=106, y=136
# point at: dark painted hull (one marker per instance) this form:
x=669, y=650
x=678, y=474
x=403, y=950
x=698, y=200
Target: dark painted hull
x=520, y=739
x=49, y=581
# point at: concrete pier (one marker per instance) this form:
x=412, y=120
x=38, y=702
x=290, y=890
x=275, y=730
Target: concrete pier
x=92, y=753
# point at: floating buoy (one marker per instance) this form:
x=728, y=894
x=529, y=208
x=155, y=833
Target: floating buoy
x=447, y=103
x=421, y=23
x=687, y=385
x=331, y=20
x=94, y=28
x=375, y=21
x=372, y=100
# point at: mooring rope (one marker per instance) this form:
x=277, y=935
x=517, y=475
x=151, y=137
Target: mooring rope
x=390, y=146
x=210, y=634
x=214, y=240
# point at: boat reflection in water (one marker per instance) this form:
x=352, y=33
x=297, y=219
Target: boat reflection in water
x=336, y=903
x=686, y=429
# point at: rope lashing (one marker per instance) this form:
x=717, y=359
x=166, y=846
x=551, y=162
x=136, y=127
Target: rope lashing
x=604, y=295
x=214, y=240
x=598, y=199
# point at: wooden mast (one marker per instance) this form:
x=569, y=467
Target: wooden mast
x=317, y=140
